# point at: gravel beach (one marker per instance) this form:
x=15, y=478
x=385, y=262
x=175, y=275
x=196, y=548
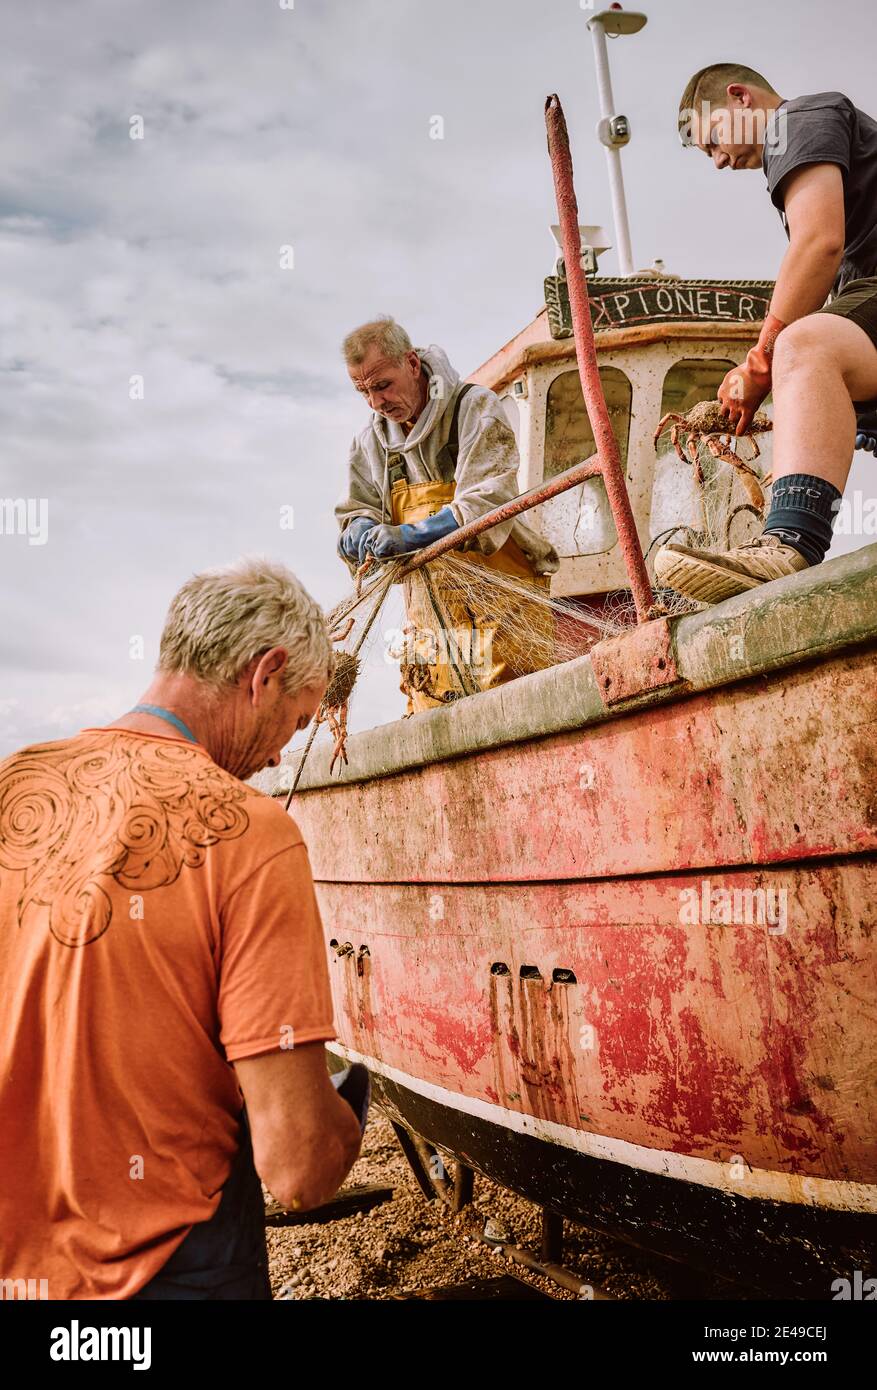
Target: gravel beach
x=407, y=1245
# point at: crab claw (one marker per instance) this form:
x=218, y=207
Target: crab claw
x=663, y=423
x=368, y=563
x=338, y=725
x=748, y=477
x=345, y=632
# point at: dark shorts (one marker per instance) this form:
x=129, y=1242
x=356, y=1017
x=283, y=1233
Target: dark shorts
x=224, y=1258
x=858, y=301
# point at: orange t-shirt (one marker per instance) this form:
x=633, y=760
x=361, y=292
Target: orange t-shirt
x=157, y=922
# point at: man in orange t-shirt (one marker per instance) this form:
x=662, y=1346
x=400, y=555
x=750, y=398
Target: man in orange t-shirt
x=161, y=953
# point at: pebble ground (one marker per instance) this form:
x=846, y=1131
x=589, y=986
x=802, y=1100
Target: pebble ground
x=409, y=1244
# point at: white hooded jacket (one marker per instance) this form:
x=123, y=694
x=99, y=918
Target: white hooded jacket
x=487, y=462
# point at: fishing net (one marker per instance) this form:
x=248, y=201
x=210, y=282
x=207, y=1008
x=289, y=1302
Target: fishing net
x=467, y=616
x=466, y=626
x=488, y=618
x=716, y=505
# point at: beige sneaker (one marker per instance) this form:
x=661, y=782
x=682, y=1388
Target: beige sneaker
x=709, y=578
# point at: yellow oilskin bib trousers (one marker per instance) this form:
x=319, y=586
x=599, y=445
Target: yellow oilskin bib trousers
x=462, y=641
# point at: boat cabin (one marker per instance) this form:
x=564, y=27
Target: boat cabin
x=663, y=344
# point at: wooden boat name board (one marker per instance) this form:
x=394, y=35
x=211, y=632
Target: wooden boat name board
x=615, y=303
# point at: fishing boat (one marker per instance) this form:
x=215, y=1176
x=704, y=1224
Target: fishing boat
x=605, y=934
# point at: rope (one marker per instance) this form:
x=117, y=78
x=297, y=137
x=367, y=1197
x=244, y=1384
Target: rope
x=441, y=614
x=365, y=632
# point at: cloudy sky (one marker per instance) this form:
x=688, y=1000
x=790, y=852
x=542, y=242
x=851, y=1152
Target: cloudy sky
x=268, y=126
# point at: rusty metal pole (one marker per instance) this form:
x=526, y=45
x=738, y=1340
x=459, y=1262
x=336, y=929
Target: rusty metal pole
x=522, y=503
x=586, y=356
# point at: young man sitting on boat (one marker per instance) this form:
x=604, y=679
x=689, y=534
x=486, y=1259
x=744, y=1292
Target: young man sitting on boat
x=162, y=962
x=436, y=454
x=819, y=155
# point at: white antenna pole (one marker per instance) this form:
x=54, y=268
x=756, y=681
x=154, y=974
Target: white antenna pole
x=613, y=131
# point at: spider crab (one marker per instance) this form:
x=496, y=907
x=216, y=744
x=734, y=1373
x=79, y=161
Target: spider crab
x=333, y=706
x=708, y=423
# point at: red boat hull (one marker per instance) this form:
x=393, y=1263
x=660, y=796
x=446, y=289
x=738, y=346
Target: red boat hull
x=641, y=948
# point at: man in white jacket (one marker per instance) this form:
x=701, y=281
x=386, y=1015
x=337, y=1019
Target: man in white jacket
x=436, y=454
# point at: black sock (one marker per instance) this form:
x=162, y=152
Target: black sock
x=803, y=510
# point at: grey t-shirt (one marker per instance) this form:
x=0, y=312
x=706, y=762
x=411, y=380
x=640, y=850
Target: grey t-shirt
x=828, y=129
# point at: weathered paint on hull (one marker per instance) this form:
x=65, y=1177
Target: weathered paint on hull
x=739, y=1038
x=519, y=935
x=783, y=1251
x=711, y=1041
x=757, y=773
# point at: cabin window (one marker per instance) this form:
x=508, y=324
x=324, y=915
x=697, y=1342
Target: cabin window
x=692, y=380
x=580, y=522
x=717, y=515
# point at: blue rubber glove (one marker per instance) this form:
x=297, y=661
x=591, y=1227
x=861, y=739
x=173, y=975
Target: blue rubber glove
x=351, y=539
x=866, y=432
x=354, y=1084
x=384, y=542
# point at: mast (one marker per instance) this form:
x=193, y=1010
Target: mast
x=613, y=131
